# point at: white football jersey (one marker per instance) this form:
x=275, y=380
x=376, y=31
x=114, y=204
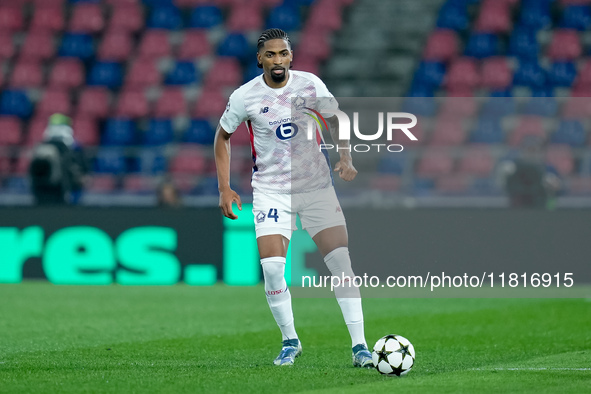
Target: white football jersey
x=285, y=159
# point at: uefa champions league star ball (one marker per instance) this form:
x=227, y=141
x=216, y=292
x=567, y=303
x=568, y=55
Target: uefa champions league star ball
x=393, y=355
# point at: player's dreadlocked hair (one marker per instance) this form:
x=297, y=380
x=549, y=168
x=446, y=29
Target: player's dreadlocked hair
x=271, y=34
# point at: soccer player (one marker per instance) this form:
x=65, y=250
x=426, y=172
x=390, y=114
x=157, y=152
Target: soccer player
x=290, y=176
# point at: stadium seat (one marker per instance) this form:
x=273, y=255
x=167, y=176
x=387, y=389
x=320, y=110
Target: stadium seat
x=77, y=45
x=102, y=183
x=118, y=132
x=206, y=17
x=462, y=73
x=138, y=184
x=284, y=17
x=244, y=18
x=565, y=45
x=7, y=49
x=577, y=108
x=482, y=45
x=87, y=18
x=487, y=131
x=542, y=103
x=535, y=14
x=583, y=79
x=530, y=74
x=159, y=132
x=570, y=132
x=225, y=71
x=496, y=74
x=576, y=17
x=452, y=184
x=66, y=73
x=110, y=160
x=188, y=160
x=48, y=18
x=11, y=130
x=143, y=73
x=494, y=17
x=235, y=45
x=183, y=73
x=476, y=161
x=94, y=102
x=562, y=74
x=300, y=63
x=211, y=103
x=386, y=183
x=458, y=104
x=325, y=15
x=109, y=74
x=442, y=46
x=15, y=102
x=199, y=132
x=430, y=73
x=26, y=74
x=165, y=17
x=393, y=164
x=85, y=131
x=434, y=162
x=11, y=17
x=561, y=158
x=453, y=16
x=126, y=18
x=132, y=104
x=524, y=44
x=116, y=46
x=447, y=132
x=527, y=126
x=54, y=101
x=170, y=104
x=151, y=161
x=499, y=104
x=195, y=44
x=155, y=44
x=38, y=46
x=21, y=168
x=313, y=45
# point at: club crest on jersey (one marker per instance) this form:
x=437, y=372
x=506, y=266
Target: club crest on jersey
x=264, y=110
x=299, y=103
x=286, y=131
x=260, y=217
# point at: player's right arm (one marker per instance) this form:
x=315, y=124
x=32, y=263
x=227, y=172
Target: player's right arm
x=222, y=151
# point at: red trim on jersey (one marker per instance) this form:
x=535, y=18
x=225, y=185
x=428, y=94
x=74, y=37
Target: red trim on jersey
x=254, y=153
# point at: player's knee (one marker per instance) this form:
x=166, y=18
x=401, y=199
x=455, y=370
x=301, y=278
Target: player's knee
x=273, y=272
x=338, y=262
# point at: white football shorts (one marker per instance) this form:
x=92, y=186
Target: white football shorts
x=276, y=213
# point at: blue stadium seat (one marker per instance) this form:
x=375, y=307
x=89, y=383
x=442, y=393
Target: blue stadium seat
x=562, y=74
x=569, y=132
x=530, y=74
x=110, y=161
x=488, y=131
x=151, y=161
x=118, y=132
x=208, y=186
x=205, y=17
x=15, y=102
x=453, y=15
x=183, y=73
x=430, y=74
x=542, y=103
x=501, y=103
x=524, y=44
x=481, y=45
x=108, y=74
x=284, y=17
x=235, y=45
x=393, y=164
x=423, y=186
x=84, y=1
x=576, y=17
x=77, y=45
x=535, y=14
x=252, y=71
x=165, y=17
x=199, y=132
x=420, y=103
x=154, y=3
x=159, y=132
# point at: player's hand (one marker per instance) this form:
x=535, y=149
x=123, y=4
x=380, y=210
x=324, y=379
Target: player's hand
x=345, y=169
x=227, y=198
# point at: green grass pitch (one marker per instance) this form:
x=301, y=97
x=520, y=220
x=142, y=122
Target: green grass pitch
x=223, y=339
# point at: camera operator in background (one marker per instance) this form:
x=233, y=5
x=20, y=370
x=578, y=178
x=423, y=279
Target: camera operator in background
x=58, y=167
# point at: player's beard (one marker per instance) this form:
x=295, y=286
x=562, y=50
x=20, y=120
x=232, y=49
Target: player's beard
x=278, y=77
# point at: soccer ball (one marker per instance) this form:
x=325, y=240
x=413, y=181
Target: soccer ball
x=393, y=355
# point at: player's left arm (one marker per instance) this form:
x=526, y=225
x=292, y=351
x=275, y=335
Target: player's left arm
x=344, y=166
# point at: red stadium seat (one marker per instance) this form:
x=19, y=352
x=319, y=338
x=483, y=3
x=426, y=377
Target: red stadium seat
x=22, y=162
x=87, y=18
x=561, y=157
x=462, y=73
x=102, y=184
x=476, y=161
x=496, y=74
x=132, y=104
x=245, y=17
x=528, y=126
x=224, y=72
x=126, y=17
x=35, y=132
x=189, y=160
x=314, y=45
x=577, y=108
x=116, y=46
x=155, y=44
x=435, y=162
x=494, y=17
x=325, y=15
x=211, y=103
x=448, y=132
x=138, y=184
x=6, y=45
x=195, y=44
x=388, y=183
x=190, y=3
x=66, y=73
x=442, y=46
x=171, y=103
x=301, y=63
x=458, y=104
x=26, y=74
x=54, y=100
x=143, y=73
x=11, y=130
x=451, y=184
x=48, y=3
x=123, y=2
x=5, y=165
x=583, y=80
x=85, y=131
x=579, y=185
x=38, y=46
x=565, y=45
x=94, y=102
x=48, y=18
x=11, y=17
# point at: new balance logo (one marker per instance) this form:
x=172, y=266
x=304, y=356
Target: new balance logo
x=264, y=110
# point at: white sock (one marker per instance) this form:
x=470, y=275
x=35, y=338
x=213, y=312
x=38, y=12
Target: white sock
x=348, y=296
x=278, y=295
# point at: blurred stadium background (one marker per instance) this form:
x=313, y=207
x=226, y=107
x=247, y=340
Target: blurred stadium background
x=145, y=82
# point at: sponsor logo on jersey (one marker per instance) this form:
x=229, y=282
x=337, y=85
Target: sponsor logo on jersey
x=264, y=110
x=261, y=217
x=286, y=131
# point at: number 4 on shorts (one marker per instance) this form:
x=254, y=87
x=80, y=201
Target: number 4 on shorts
x=273, y=214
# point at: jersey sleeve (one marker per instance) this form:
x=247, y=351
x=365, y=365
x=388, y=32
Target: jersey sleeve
x=326, y=99
x=235, y=113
